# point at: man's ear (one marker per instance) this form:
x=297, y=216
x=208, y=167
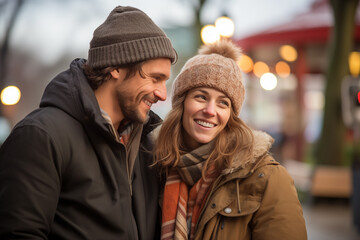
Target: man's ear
x=115, y=73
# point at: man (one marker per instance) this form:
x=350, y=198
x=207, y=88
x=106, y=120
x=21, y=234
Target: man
x=78, y=167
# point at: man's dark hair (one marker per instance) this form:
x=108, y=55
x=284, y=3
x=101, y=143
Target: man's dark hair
x=97, y=76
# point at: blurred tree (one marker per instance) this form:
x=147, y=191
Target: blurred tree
x=5, y=45
x=197, y=5
x=330, y=147
x=197, y=24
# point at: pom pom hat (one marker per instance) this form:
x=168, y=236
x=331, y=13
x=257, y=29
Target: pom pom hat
x=215, y=66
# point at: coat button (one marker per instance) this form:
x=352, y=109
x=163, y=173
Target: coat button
x=227, y=210
x=213, y=205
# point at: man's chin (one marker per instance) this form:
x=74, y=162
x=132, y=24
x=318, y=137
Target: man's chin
x=146, y=117
x=137, y=116
x=142, y=118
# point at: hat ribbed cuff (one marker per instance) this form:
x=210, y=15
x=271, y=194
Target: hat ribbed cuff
x=131, y=52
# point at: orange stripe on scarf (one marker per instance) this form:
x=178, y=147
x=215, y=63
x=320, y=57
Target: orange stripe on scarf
x=174, y=191
x=179, y=205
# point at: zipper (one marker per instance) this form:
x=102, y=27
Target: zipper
x=207, y=200
x=128, y=171
x=220, y=226
x=125, y=152
x=214, y=187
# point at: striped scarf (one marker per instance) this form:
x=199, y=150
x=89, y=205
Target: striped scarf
x=181, y=206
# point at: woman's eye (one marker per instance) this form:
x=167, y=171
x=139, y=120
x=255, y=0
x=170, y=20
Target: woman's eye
x=200, y=97
x=225, y=103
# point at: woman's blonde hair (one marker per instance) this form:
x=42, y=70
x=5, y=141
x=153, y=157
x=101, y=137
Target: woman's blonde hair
x=236, y=139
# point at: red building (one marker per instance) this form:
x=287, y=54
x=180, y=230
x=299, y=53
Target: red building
x=293, y=110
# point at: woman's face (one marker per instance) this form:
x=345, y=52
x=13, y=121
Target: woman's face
x=206, y=113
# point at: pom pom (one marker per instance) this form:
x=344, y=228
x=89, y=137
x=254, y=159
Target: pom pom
x=224, y=48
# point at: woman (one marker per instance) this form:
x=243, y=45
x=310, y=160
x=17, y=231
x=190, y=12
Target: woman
x=221, y=181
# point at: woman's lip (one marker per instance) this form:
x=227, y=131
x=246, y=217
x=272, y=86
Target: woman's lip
x=205, y=123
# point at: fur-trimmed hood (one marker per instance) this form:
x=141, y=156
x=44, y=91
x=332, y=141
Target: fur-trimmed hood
x=262, y=144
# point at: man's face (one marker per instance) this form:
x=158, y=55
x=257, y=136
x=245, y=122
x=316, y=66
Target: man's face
x=136, y=94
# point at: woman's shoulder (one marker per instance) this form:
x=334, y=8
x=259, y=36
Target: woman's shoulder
x=271, y=175
x=265, y=168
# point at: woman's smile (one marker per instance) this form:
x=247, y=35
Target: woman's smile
x=206, y=113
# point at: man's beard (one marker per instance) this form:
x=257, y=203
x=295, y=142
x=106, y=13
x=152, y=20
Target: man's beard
x=130, y=109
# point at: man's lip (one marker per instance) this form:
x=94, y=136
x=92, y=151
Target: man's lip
x=147, y=102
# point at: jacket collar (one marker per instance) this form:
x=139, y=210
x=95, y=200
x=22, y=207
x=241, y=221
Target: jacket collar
x=153, y=122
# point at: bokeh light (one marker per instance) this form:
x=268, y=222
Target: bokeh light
x=288, y=53
x=225, y=26
x=268, y=81
x=354, y=63
x=10, y=95
x=246, y=64
x=260, y=68
x=209, y=34
x=282, y=69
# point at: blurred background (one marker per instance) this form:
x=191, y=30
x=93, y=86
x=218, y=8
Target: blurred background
x=300, y=62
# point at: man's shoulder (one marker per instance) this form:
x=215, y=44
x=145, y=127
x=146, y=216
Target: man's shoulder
x=45, y=117
x=53, y=122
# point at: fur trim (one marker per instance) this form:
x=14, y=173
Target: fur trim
x=262, y=144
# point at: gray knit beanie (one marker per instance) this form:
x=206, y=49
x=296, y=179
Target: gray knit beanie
x=215, y=66
x=128, y=35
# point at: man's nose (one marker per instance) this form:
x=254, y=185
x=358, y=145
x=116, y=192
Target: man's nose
x=160, y=91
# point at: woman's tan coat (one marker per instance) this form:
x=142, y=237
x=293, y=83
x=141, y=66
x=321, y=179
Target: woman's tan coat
x=255, y=200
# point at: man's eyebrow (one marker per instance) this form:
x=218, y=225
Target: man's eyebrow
x=159, y=74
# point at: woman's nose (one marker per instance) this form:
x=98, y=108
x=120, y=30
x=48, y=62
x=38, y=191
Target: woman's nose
x=209, y=109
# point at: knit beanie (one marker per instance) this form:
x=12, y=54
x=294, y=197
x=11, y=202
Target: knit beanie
x=128, y=35
x=215, y=66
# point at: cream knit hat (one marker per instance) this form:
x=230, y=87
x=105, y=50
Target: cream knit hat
x=215, y=66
